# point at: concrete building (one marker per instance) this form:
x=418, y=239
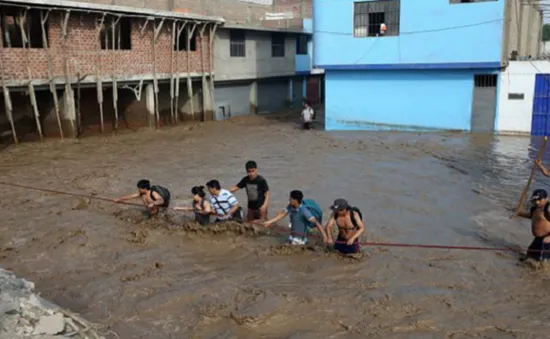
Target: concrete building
x=407, y=64
x=260, y=70
x=68, y=67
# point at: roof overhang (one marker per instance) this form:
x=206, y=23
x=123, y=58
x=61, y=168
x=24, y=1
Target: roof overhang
x=114, y=9
x=265, y=29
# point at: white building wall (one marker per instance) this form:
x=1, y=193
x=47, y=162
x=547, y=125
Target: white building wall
x=515, y=115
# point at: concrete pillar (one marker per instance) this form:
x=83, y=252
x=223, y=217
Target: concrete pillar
x=304, y=87
x=291, y=91
x=67, y=112
x=207, y=109
x=254, y=97
x=150, y=104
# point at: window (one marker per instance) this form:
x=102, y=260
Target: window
x=237, y=43
x=301, y=44
x=277, y=45
x=376, y=18
x=467, y=1
x=11, y=28
x=516, y=96
x=485, y=80
x=183, y=41
x=123, y=34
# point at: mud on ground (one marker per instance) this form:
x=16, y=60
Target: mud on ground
x=168, y=278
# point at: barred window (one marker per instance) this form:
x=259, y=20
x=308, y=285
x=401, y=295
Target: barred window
x=181, y=43
x=376, y=18
x=237, y=43
x=277, y=45
x=301, y=44
x=485, y=80
x=123, y=34
x=467, y=1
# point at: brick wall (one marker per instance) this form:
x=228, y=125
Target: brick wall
x=232, y=10
x=82, y=49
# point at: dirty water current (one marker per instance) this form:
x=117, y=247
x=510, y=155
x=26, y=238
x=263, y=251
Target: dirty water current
x=168, y=278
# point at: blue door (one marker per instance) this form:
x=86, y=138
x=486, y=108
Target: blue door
x=540, y=124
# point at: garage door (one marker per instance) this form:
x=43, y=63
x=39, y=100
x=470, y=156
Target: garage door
x=484, y=103
x=232, y=100
x=272, y=95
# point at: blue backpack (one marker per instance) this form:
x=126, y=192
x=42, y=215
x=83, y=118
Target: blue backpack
x=314, y=208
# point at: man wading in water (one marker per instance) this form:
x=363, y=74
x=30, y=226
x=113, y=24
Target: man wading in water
x=301, y=218
x=153, y=197
x=224, y=204
x=350, y=227
x=540, y=225
x=257, y=192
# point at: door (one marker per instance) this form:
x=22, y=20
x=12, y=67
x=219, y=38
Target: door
x=540, y=123
x=232, y=100
x=313, y=90
x=272, y=95
x=484, y=103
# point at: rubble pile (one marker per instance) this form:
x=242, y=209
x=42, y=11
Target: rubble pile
x=23, y=314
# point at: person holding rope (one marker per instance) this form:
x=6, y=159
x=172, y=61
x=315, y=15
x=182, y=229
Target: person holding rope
x=257, y=192
x=224, y=204
x=201, y=206
x=302, y=213
x=350, y=227
x=539, y=214
x=542, y=168
x=153, y=197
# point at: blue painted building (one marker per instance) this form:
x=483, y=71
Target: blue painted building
x=410, y=64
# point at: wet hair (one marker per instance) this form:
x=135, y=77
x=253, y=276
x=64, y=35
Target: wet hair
x=213, y=184
x=144, y=184
x=251, y=164
x=198, y=190
x=297, y=195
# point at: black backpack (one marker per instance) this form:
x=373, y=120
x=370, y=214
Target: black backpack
x=162, y=191
x=352, y=216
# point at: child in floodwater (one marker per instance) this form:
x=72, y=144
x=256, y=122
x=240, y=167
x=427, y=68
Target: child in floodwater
x=201, y=206
x=540, y=225
x=153, y=197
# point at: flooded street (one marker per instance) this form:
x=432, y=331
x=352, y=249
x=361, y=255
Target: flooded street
x=155, y=279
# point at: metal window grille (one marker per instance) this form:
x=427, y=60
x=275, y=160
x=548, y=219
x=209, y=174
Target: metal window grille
x=301, y=44
x=485, y=80
x=237, y=43
x=467, y=1
x=369, y=18
x=277, y=45
x=11, y=19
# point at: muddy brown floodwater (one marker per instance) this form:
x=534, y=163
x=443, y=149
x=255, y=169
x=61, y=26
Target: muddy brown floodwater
x=157, y=279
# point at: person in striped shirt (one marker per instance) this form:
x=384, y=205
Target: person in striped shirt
x=224, y=204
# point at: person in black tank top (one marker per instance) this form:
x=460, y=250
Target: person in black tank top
x=153, y=197
x=201, y=206
x=540, y=225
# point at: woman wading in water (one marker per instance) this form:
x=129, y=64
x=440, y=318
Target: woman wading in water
x=201, y=206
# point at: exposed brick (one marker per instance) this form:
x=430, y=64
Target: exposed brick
x=84, y=55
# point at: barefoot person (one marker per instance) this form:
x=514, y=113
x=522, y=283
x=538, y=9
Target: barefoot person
x=350, y=227
x=257, y=192
x=301, y=218
x=224, y=204
x=153, y=197
x=201, y=206
x=540, y=225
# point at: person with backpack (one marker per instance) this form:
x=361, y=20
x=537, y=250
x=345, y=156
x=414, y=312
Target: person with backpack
x=153, y=197
x=201, y=207
x=349, y=221
x=304, y=214
x=224, y=204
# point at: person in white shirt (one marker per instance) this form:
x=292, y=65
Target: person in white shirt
x=224, y=204
x=307, y=116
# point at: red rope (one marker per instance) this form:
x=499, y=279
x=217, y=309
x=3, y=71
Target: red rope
x=286, y=230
